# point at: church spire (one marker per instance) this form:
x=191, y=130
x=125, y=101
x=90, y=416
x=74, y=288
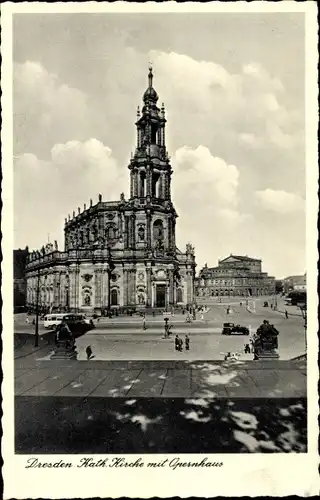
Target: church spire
x=150, y=76
x=150, y=166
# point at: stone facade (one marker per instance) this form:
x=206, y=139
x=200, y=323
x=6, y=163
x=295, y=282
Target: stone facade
x=19, y=278
x=121, y=253
x=234, y=276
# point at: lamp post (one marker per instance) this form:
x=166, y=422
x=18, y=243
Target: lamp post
x=111, y=268
x=303, y=309
x=36, y=334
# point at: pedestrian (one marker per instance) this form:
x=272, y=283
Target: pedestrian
x=176, y=343
x=247, y=349
x=240, y=304
x=286, y=314
x=144, y=326
x=89, y=352
x=180, y=344
x=202, y=316
x=33, y=321
x=187, y=342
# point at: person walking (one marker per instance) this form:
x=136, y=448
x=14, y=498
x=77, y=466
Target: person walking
x=187, y=342
x=88, y=352
x=144, y=326
x=286, y=314
x=176, y=343
x=180, y=344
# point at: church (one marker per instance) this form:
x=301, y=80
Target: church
x=121, y=254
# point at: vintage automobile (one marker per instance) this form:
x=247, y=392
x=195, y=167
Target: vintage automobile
x=78, y=325
x=231, y=328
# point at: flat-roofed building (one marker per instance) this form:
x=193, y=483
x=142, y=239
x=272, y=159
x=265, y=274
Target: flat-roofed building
x=235, y=275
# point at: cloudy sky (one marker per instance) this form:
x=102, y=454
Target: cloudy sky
x=233, y=87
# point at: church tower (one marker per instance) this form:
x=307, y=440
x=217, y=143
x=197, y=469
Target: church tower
x=150, y=174
x=122, y=254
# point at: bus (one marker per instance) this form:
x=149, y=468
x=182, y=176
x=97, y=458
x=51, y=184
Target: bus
x=51, y=321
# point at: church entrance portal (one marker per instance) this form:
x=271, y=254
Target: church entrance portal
x=160, y=295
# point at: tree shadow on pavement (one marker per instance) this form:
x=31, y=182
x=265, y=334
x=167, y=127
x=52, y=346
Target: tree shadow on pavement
x=159, y=425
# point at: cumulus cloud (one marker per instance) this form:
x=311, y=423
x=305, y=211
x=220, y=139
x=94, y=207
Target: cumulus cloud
x=46, y=110
x=249, y=104
x=281, y=202
x=227, y=130
x=76, y=172
x=205, y=194
x=204, y=177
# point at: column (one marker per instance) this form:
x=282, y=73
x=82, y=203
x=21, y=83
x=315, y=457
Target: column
x=131, y=184
x=149, y=229
x=97, y=287
x=149, y=301
x=104, y=288
x=125, y=287
x=162, y=136
x=133, y=231
x=126, y=232
x=136, y=183
x=148, y=181
x=173, y=241
x=189, y=287
x=169, y=187
x=169, y=231
x=132, y=286
x=171, y=285
x=164, y=186
x=56, y=290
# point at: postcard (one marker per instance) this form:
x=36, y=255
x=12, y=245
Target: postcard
x=159, y=193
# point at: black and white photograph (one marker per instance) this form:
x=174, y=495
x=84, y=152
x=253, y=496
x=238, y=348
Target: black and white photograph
x=162, y=240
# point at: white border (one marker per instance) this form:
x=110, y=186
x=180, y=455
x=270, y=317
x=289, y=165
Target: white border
x=256, y=474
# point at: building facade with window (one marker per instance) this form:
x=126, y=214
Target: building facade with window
x=19, y=278
x=235, y=275
x=121, y=253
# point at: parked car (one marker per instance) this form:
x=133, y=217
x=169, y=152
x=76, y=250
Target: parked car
x=77, y=324
x=231, y=328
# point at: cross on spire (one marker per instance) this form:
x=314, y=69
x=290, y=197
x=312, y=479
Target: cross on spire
x=150, y=76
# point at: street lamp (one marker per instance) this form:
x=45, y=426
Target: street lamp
x=36, y=335
x=111, y=268
x=303, y=309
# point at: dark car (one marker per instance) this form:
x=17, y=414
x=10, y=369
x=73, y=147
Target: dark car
x=231, y=328
x=77, y=324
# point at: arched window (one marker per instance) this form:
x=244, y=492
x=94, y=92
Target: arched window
x=179, y=295
x=155, y=184
x=114, y=297
x=158, y=233
x=142, y=184
x=153, y=134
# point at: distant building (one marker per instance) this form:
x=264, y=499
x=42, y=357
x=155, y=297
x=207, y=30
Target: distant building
x=235, y=275
x=292, y=283
x=19, y=278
